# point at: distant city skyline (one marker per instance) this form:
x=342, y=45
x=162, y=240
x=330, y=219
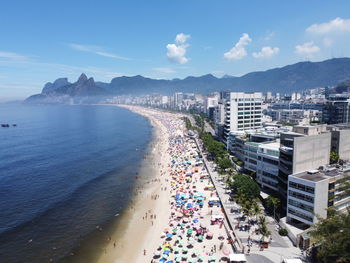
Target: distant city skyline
x=161, y=39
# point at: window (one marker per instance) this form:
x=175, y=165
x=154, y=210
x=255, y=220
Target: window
x=302, y=187
x=301, y=215
x=274, y=162
x=301, y=205
x=301, y=196
x=269, y=175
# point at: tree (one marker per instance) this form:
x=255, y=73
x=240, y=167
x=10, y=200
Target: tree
x=332, y=234
x=256, y=209
x=243, y=184
x=224, y=163
x=264, y=231
x=334, y=157
x=273, y=202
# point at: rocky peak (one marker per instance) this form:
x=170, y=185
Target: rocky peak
x=58, y=83
x=82, y=78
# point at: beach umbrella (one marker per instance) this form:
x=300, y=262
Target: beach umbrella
x=178, y=259
x=174, y=229
x=162, y=260
x=169, y=235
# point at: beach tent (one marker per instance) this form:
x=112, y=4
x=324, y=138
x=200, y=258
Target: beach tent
x=237, y=258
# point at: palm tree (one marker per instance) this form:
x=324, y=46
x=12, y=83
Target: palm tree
x=262, y=221
x=273, y=202
x=264, y=231
x=256, y=209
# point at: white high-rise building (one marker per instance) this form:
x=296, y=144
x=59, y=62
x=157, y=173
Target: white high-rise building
x=242, y=111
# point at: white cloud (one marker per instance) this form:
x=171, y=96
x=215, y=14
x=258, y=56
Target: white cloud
x=95, y=50
x=239, y=51
x=307, y=48
x=336, y=25
x=181, y=38
x=164, y=70
x=11, y=55
x=266, y=52
x=176, y=52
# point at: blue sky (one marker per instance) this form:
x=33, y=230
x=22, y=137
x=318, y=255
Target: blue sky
x=45, y=40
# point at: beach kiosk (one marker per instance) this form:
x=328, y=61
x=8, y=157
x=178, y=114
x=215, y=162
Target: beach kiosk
x=237, y=258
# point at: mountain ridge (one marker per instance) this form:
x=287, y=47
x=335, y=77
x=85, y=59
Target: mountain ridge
x=287, y=79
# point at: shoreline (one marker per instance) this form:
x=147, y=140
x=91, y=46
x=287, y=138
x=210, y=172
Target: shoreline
x=135, y=231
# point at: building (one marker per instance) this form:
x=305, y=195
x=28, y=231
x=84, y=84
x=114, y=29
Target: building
x=219, y=120
x=210, y=104
x=311, y=192
x=306, y=148
x=268, y=165
x=340, y=143
x=294, y=116
x=337, y=109
x=242, y=112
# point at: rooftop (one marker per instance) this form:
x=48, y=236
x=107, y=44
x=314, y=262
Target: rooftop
x=330, y=171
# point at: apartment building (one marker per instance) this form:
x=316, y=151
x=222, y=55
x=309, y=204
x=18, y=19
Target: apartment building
x=311, y=192
x=242, y=112
x=337, y=109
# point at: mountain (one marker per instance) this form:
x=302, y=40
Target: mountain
x=62, y=91
x=296, y=77
x=342, y=87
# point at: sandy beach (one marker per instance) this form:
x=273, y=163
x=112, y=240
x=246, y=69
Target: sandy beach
x=170, y=219
x=137, y=229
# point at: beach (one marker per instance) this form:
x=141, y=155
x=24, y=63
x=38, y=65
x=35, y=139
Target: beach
x=135, y=232
x=175, y=215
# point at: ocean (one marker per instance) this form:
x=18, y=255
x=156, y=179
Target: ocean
x=66, y=172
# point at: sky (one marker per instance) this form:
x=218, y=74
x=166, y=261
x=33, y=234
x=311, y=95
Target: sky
x=45, y=40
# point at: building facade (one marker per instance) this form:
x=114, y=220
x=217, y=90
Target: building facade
x=242, y=112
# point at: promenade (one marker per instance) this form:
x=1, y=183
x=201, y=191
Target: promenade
x=279, y=248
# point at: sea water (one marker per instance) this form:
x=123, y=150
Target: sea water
x=65, y=172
